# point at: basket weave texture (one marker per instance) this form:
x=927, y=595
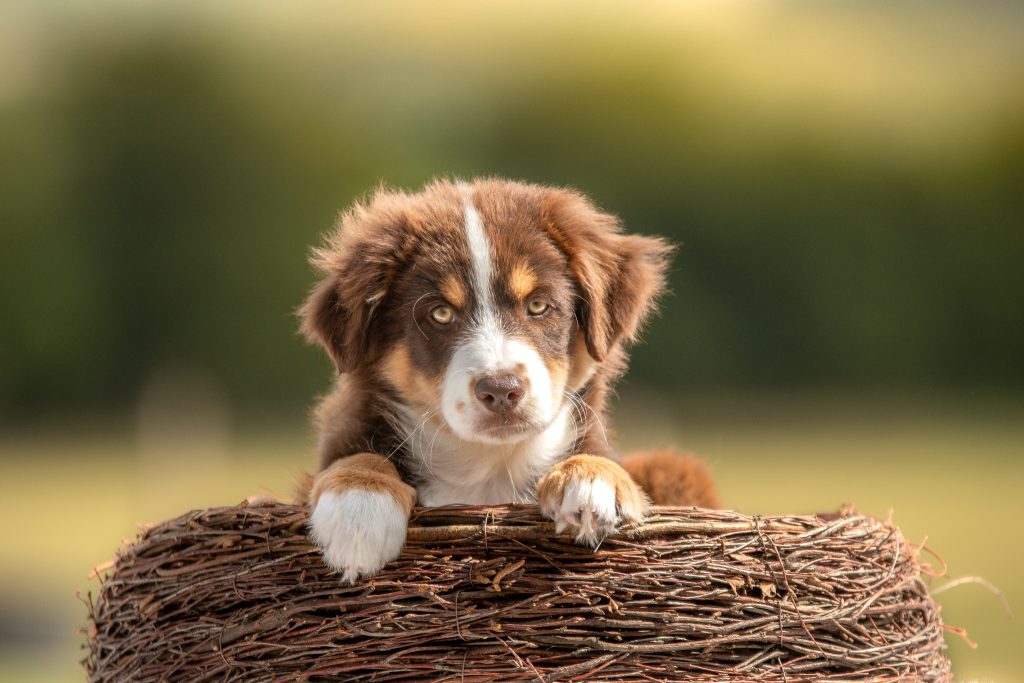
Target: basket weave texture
x=492, y=593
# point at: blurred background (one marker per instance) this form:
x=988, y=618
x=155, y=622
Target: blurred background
x=844, y=179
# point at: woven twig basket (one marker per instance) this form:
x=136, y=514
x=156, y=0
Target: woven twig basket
x=492, y=593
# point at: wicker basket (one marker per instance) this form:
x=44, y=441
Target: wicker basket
x=492, y=593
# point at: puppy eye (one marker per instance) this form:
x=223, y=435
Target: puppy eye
x=537, y=307
x=442, y=315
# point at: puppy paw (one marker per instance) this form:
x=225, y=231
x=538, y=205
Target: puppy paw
x=358, y=531
x=590, y=496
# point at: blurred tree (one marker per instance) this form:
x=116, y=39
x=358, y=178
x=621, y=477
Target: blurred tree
x=161, y=192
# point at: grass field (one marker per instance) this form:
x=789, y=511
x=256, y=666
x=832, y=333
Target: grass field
x=951, y=472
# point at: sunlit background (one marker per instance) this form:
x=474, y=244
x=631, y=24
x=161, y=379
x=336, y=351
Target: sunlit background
x=845, y=179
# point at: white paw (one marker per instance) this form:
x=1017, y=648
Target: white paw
x=358, y=531
x=587, y=509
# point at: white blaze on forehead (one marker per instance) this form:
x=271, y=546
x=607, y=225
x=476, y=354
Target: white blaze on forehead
x=480, y=254
x=486, y=335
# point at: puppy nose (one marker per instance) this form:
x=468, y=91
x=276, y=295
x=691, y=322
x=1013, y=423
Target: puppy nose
x=500, y=393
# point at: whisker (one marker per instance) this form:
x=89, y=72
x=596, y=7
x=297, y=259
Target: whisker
x=512, y=482
x=586, y=406
x=430, y=451
x=417, y=322
x=397, y=424
x=423, y=436
x=577, y=428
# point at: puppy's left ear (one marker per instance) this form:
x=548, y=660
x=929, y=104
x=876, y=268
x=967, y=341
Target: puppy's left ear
x=620, y=276
x=358, y=263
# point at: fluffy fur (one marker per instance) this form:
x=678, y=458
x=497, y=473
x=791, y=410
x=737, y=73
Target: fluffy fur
x=477, y=329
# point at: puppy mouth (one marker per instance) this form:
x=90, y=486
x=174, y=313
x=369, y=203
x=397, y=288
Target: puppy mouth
x=504, y=427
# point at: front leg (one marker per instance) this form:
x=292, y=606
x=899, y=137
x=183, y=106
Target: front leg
x=359, y=513
x=590, y=495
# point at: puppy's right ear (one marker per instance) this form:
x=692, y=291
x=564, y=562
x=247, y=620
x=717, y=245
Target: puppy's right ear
x=324, y=321
x=358, y=264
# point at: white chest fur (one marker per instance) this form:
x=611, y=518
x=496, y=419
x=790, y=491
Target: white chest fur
x=451, y=470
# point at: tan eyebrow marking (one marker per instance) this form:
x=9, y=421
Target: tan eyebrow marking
x=523, y=280
x=453, y=291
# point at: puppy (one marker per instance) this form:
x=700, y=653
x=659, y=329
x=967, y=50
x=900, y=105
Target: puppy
x=477, y=329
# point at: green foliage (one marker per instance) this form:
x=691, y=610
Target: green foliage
x=162, y=189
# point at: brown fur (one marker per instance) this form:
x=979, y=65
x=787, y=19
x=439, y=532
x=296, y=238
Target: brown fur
x=671, y=478
x=623, y=274
x=342, y=419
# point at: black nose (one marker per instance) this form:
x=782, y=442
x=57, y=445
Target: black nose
x=500, y=393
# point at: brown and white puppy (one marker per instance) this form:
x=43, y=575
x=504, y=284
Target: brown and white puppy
x=477, y=329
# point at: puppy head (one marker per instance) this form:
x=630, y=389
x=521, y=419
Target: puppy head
x=481, y=305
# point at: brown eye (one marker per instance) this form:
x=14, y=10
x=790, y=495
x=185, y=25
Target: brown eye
x=442, y=315
x=537, y=307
